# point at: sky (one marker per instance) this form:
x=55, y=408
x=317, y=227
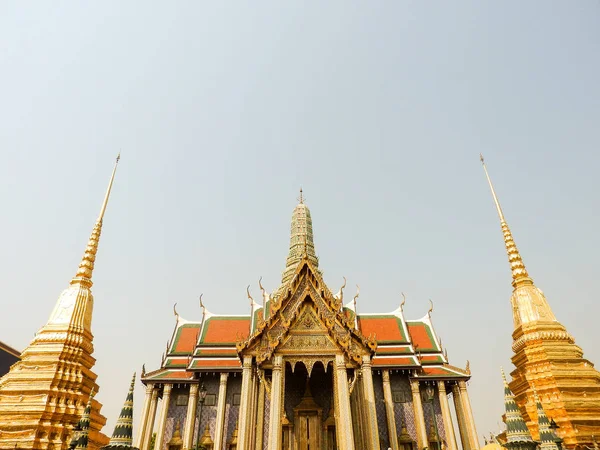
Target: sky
x=222, y=111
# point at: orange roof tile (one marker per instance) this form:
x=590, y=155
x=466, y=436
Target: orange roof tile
x=225, y=330
x=421, y=336
x=385, y=328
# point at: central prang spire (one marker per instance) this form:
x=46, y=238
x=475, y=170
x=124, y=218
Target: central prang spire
x=301, y=240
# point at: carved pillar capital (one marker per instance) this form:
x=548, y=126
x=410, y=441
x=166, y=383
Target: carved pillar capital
x=194, y=389
x=277, y=362
x=340, y=362
x=442, y=387
x=167, y=389
x=223, y=378
x=247, y=363
x=414, y=386
x=385, y=374
x=149, y=389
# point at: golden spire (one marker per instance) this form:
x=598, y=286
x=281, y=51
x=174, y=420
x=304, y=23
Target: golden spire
x=86, y=266
x=301, y=240
x=517, y=267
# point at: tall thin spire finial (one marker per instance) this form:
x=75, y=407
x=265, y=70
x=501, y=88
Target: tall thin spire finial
x=86, y=266
x=498, y=208
x=301, y=198
x=517, y=266
x=103, y=209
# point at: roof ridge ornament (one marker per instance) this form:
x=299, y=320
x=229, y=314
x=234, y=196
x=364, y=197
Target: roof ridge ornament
x=403, y=302
x=430, y=308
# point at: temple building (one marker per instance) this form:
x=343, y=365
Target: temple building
x=549, y=366
x=304, y=371
x=44, y=394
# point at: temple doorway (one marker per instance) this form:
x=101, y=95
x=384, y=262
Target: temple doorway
x=308, y=412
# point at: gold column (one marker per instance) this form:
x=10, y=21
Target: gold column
x=145, y=413
x=389, y=410
x=220, y=419
x=419, y=416
x=260, y=420
x=244, y=404
x=160, y=434
x=369, y=396
x=468, y=413
x=190, y=417
x=446, y=417
x=460, y=416
x=149, y=426
x=276, y=404
x=346, y=434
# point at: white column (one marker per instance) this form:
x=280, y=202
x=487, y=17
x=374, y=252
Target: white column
x=244, y=416
x=276, y=403
x=345, y=419
x=468, y=412
x=145, y=413
x=220, y=420
x=160, y=434
x=151, y=416
x=419, y=416
x=446, y=416
x=460, y=416
x=389, y=410
x=369, y=398
x=190, y=417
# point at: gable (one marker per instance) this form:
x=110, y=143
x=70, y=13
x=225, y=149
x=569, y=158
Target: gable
x=306, y=306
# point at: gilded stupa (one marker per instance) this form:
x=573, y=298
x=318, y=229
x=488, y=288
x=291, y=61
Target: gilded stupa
x=45, y=393
x=546, y=358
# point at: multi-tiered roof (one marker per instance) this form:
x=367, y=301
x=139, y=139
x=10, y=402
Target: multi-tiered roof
x=212, y=343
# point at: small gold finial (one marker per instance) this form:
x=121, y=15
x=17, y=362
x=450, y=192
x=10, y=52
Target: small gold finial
x=301, y=198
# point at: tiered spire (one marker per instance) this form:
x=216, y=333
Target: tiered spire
x=529, y=303
x=301, y=240
x=86, y=266
x=547, y=437
x=517, y=266
x=80, y=438
x=122, y=436
x=517, y=433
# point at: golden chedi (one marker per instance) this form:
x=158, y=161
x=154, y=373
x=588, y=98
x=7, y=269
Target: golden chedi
x=45, y=393
x=546, y=358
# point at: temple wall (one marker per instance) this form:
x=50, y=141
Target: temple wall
x=176, y=413
x=384, y=440
x=266, y=416
x=403, y=409
x=234, y=389
x=437, y=409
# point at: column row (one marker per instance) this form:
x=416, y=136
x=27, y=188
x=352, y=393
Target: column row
x=191, y=424
x=466, y=424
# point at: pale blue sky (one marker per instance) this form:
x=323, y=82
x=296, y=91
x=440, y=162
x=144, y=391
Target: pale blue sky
x=223, y=111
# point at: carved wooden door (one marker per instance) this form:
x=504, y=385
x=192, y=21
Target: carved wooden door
x=308, y=437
